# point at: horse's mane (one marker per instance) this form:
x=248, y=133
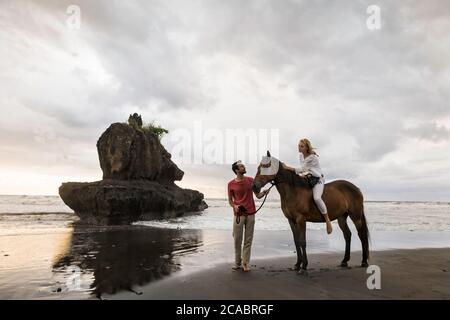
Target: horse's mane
x=290, y=177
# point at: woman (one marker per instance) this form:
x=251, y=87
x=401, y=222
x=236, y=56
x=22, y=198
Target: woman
x=309, y=164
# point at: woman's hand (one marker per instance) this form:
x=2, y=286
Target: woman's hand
x=287, y=167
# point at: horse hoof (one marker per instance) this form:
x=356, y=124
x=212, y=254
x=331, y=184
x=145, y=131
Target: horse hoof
x=295, y=267
x=344, y=265
x=302, y=272
x=364, y=264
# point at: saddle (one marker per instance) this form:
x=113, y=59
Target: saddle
x=311, y=180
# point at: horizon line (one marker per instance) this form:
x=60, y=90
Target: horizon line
x=256, y=200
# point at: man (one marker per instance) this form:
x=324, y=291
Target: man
x=240, y=197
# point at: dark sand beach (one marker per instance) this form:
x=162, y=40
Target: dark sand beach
x=405, y=274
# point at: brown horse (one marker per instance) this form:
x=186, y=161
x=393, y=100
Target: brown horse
x=342, y=198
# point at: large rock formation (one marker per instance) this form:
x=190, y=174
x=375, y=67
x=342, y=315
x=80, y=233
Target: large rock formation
x=138, y=181
x=127, y=153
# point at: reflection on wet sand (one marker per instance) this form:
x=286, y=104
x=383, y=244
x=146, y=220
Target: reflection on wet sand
x=119, y=258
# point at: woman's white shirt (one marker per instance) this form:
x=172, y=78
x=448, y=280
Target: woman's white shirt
x=309, y=165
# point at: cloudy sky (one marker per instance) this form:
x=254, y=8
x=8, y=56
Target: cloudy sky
x=375, y=102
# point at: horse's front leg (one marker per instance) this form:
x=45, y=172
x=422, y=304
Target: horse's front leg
x=294, y=229
x=301, y=223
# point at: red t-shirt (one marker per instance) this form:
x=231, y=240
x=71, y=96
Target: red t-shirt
x=241, y=193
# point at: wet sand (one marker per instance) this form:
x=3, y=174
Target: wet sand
x=405, y=274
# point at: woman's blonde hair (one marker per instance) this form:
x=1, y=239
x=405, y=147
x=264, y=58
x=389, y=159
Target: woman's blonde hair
x=309, y=147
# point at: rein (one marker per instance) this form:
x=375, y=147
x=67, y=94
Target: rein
x=238, y=216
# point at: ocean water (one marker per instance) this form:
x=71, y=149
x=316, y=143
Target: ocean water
x=33, y=214
x=381, y=216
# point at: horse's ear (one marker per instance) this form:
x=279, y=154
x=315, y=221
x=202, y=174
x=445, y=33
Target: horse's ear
x=268, y=153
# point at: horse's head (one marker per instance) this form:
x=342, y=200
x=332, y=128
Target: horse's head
x=267, y=171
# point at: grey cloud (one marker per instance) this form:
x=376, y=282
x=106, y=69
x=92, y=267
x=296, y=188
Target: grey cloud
x=133, y=41
x=430, y=131
x=325, y=50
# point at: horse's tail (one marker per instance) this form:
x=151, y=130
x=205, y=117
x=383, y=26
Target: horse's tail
x=364, y=226
x=365, y=230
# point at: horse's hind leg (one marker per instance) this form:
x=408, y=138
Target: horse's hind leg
x=363, y=234
x=342, y=221
x=294, y=229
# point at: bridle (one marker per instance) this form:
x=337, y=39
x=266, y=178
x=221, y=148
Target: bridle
x=273, y=183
